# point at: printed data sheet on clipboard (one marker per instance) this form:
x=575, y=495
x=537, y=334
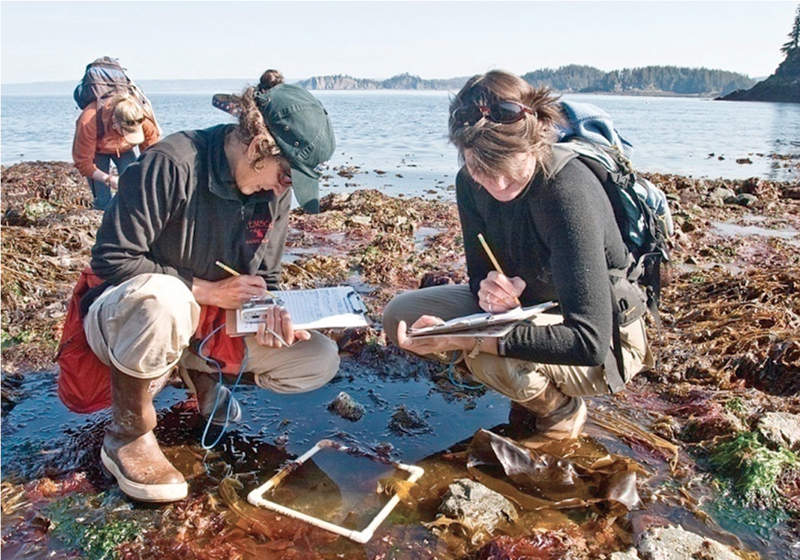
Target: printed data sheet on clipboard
x=323, y=308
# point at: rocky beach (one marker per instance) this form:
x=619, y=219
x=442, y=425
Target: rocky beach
x=699, y=458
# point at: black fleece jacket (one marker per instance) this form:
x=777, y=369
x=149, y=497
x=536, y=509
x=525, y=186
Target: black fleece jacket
x=560, y=236
x=178, y=210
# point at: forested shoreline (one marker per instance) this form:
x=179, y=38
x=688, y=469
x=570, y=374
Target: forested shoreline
x=573, y=78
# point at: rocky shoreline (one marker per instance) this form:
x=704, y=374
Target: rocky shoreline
x=727, y=387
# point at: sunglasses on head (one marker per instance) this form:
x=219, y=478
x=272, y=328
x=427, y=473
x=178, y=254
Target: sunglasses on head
x=502, y=112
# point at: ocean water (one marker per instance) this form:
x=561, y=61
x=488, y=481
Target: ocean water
x=396, y=141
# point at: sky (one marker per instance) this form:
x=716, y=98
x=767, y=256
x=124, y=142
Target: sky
x=53, y=41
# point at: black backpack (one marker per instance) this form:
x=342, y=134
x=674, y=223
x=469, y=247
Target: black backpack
x=104, y=78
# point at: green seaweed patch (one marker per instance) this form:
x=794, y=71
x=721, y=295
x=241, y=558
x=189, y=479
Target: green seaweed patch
x=76, y=522
x=753, y=468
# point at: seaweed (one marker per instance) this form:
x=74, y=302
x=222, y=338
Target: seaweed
x=77, y=522
x=753, y=468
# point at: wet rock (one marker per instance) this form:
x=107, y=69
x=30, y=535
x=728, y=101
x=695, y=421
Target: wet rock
x=781, y=428
x=440, y=277
x=792, y=193
x=745, y=199
x=629, y=554
x=721, y=194
x=673, y=543
x=345, y=406
x=406, y=421
x=11, y=384
x=476, y=506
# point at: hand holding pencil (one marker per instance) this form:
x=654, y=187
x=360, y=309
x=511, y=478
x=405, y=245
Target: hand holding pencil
x=497, y=289
x=277, y=329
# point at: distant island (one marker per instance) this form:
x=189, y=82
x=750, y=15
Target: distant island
x=650, y=80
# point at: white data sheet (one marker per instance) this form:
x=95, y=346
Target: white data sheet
x=323, y=308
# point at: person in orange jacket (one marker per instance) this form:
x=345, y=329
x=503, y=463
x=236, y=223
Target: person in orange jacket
x=110, y=131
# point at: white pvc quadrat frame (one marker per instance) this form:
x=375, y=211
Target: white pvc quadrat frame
x=256, y=497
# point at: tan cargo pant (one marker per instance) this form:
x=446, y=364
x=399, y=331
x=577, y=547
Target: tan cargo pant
x=143, y=327
x=519, y=380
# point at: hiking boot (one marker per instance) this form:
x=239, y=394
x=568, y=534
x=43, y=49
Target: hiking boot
x=130, y=452
x=552, y=414
x=208, y=390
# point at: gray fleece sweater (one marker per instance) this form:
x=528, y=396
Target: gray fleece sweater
x=560, y=236
x=178, y=211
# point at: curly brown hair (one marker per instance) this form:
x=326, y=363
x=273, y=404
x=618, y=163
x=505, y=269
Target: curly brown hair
x=493, y=145
x=251, y=121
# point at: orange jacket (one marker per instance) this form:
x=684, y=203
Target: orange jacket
x=86, y=143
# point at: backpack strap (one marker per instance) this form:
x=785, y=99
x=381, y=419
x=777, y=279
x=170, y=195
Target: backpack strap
x=561, y=156
x=614, y=365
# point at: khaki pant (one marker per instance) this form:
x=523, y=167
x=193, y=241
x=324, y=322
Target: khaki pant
x=143, y=327
x=519, y=380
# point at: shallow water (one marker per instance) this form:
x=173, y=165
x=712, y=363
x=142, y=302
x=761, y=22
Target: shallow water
x=396, y=141
x=40, y=438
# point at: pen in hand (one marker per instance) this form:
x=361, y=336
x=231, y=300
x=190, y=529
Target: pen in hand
x=494, y=260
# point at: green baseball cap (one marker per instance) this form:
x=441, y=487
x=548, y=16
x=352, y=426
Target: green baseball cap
x=301, y=127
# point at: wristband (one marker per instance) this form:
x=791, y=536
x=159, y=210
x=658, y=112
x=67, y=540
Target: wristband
x=476, y=349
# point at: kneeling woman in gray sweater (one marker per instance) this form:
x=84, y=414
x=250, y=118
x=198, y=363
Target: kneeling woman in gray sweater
x=554, y=236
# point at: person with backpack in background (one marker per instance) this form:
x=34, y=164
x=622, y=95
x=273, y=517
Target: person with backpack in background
x=111, y=130
x=554, y=236
x=116, y=121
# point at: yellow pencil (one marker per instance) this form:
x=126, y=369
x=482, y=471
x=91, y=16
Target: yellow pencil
x=227, y=269
x=232, y=272
x=493, y=259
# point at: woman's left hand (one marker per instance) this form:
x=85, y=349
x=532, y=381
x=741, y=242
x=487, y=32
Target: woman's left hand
x=277, y=330
x=431, y=344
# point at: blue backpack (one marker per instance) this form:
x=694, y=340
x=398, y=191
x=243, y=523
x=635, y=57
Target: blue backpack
x=640, y=208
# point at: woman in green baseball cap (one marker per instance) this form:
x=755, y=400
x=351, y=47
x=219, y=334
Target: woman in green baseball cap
x=196, y=199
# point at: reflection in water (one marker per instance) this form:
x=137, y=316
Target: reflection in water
x=785, y=134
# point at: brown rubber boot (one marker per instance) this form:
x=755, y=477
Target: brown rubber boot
x=208, y=390
x=130, y=451
x=556, y=415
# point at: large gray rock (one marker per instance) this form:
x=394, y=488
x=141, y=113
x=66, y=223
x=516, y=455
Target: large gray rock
x=781, y=428
x=673, y=543
x=476, y=505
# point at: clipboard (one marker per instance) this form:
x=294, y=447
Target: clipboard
x=338, y=307
x=483, y=324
